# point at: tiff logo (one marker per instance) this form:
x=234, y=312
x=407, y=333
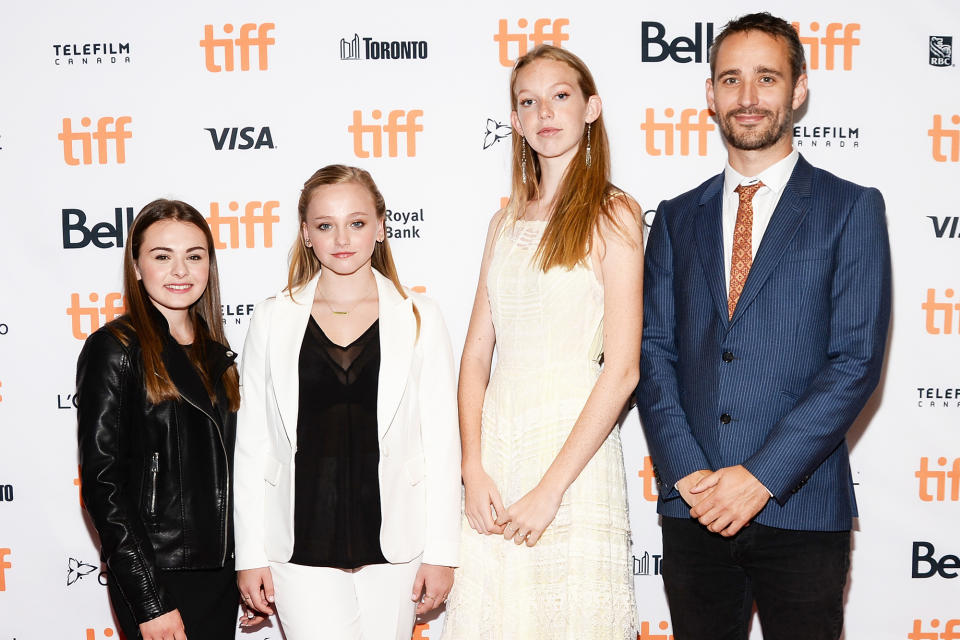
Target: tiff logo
x=94, y=315
x=830, y=42
x=649, y=477
x=692, y=121
x=4, y=565
x=398, y=121
x=646, y=634
x=939, y=134
x=249, y=219
x=244, y=43
x=504, y=38
x=940, y=225
x=934, y=311
x=92, y=634
x=951, y=630
x=108, y=130
x=942, y=479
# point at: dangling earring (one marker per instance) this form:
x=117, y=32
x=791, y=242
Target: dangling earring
x=523, y=159
x=589, y=159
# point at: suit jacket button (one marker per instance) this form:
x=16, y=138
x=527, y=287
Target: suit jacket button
x=725, y=418
x=727, y=356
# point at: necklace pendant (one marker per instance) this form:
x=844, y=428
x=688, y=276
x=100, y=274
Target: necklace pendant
x=340, y=313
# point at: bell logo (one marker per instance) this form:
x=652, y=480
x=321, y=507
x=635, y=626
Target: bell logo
x=951, y=630
x=830, y=42
x=923, y=555
x=646, y=634
x=92, y=635
x=939, y=316
x=398, y=121
x=95, y=316
x=108, y=129
x=692, y=121
x=103, y=234
x=4, y=565
x=940, y=480
x=655, y=48
x=951, y=137
x=249, y=219
x=649, y=477
x=545, y=30
x=243, y=43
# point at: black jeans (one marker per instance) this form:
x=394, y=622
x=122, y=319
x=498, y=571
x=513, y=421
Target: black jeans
x=795, y=577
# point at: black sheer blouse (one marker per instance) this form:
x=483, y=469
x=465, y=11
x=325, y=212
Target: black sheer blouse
x=336, y=520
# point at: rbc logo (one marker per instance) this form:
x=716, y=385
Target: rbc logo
x=540, y=35
x=398, y=121
x=249, y=219
x=830, y=41
x=651, y=35
x=103, y=234
x=941, y=51
x=939, y=135
x=683, y=130
x=108, y=130
x=221, y=136
x=243, y=44
x=95, y=316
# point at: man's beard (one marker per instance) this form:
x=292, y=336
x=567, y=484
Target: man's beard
x=755, y=138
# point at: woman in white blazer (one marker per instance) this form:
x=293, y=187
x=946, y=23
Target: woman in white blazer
x=347, y=463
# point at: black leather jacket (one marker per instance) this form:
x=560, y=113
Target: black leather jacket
x=156, y=479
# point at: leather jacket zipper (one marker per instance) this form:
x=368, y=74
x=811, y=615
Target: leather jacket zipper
x=226, y=512
x=154, y=471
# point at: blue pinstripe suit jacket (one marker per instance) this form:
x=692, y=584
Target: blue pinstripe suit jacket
x=807, y=340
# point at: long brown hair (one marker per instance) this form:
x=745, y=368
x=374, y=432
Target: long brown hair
x=205, y=313
x=585, y=194
x=304, y=263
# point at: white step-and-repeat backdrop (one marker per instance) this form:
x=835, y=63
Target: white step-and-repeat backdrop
x=231, y=106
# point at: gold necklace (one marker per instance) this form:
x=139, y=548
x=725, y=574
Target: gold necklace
x=341, y=313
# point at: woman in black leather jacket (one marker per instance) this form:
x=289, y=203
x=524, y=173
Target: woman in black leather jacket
x=157, y=395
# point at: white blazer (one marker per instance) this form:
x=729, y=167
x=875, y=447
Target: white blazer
x=416, y=421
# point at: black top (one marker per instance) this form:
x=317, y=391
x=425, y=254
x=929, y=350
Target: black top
x=336, y=521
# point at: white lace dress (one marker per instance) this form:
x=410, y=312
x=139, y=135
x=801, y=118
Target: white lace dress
x=575, y=584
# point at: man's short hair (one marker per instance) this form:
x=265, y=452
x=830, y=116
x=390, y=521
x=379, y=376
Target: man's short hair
x=770, y=25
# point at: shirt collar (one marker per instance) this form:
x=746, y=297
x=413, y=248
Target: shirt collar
x=774, y=177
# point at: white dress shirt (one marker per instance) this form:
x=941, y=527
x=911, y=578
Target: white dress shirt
x=765, y=200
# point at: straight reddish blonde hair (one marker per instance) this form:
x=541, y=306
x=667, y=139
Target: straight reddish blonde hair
x=585, y=195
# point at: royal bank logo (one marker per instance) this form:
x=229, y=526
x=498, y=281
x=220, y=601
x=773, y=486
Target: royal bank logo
x=496, y=131
x=78, y=233
x=648, y=564
x=404, y=224
x=368, y=48
x=241, y=138
x=826, y=137
x=91, y=53
x=655, y=46
x=941, y=51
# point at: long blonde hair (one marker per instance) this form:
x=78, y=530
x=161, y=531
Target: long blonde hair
x=585, y=195
x=304, y=264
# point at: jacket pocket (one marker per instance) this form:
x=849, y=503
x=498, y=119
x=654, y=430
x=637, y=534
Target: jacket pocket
x=271, y=470
x=152, y=485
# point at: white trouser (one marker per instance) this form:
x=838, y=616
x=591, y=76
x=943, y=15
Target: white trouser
x=369, y=603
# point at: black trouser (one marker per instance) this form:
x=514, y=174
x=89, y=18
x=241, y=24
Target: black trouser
x=795, y=577
x=207, y=599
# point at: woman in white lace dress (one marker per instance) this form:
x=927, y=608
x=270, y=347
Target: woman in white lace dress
x=545, y=549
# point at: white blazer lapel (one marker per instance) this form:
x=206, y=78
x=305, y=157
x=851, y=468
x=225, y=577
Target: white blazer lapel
x=398, y=331
x=286, y=337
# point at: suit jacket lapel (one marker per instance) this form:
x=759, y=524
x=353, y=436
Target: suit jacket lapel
x=709, y=234
x=398, y=330
x=288, y=325
x=786, y=219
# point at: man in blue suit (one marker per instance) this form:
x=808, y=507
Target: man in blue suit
x=767, y=302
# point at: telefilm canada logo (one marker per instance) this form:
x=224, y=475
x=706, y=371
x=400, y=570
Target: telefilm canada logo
x=941, y=51
x=69, y=54
x=826, y=137
x=236, y=313
x=368, y=48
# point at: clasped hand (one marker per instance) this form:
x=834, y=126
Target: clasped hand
x=523, y=522
x=725, y=500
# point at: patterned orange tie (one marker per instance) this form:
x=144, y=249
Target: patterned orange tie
x=742, y=254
